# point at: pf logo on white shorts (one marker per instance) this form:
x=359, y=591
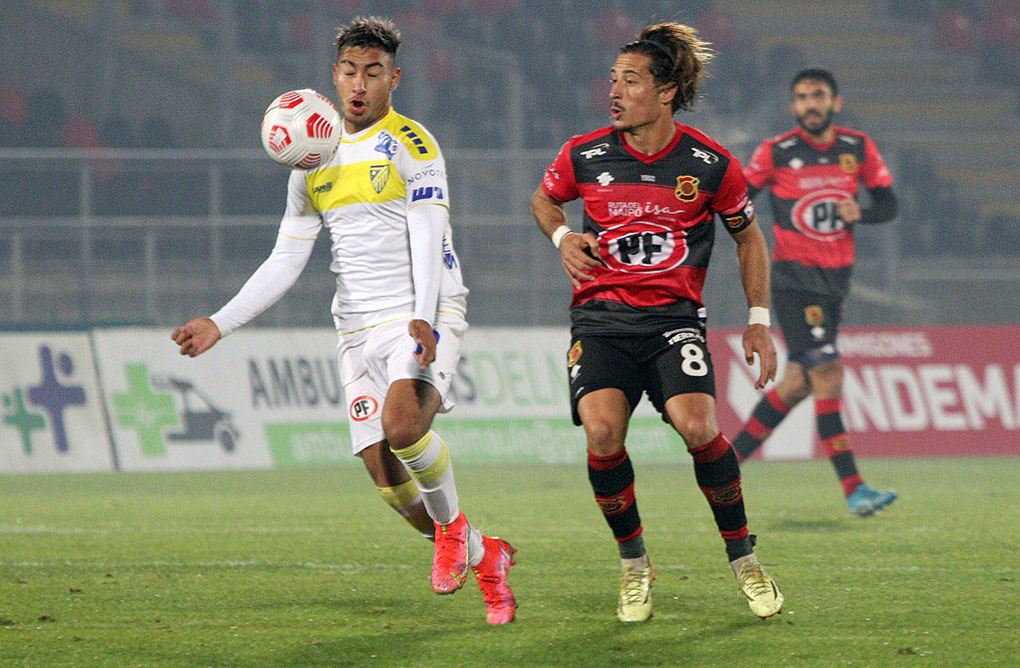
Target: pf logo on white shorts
x=363, y=408
x=815, y=215
x=640, y=246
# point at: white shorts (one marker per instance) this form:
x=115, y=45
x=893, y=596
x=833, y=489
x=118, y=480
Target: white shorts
x=373, y=358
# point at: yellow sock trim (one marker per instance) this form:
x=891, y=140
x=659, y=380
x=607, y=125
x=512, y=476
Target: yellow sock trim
x=400, y=496
x=414, y=451
x=438, y=468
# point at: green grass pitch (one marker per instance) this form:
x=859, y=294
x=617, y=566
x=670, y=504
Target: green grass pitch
x=310, y=568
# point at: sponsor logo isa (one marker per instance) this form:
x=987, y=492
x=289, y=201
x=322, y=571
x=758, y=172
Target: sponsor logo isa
x=36, y=408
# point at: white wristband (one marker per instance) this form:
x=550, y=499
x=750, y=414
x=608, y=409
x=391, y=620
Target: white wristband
x=559, y=233
x=758, y=315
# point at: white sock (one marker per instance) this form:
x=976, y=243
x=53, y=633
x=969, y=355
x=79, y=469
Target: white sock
x=428, y=462
x=638, y=563
x=476, y=548
x=735, y=564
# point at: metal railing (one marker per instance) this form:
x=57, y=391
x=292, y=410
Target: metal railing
x=157, y=236
x=150, y=236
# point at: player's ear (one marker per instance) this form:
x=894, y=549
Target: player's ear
x=667, y=93
x=837, y=104
x=395, y=80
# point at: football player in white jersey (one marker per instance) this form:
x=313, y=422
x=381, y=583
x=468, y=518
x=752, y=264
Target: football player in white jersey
x=399, y=304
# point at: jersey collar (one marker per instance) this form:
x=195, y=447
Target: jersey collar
x=649, y=159
x=367, y=132
x=821, y=147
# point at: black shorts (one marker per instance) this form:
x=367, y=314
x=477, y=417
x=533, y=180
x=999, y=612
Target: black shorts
x=664, y=365
x=810, y=323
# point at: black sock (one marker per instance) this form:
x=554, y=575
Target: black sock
x=612, y=480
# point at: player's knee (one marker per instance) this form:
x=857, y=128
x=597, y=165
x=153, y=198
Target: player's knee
x=794, y=392
x=605, y=437
x=827, y=380
x=697, y=430
x=402, y=434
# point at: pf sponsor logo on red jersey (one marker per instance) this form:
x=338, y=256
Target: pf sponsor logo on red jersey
x=815, y=215
x=642, y=247
x=363, y=408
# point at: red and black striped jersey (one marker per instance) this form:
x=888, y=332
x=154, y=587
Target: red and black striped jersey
x=814, y=248
x=653, y=216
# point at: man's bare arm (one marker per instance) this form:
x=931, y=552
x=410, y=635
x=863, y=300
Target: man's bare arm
x=753, y=261
x=577, y=251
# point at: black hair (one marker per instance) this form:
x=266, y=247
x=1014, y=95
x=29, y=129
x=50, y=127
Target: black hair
x=678, y=58
x=816, y=74
x=369, y=32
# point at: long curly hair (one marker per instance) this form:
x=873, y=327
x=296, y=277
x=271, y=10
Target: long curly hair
x=678, y=58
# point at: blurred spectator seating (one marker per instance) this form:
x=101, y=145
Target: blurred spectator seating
x=12, y=116
x=199, y=11
x=956, y=27
x=999, y=60
x=613, y=27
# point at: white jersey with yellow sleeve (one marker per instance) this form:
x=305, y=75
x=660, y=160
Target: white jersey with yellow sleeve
x=362, y=197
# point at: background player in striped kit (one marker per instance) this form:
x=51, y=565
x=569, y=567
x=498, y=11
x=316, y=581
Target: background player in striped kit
x=399, y=304
x=813, y=174
x=651, y=189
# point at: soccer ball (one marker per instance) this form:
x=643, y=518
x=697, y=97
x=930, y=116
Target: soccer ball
x=301, y=129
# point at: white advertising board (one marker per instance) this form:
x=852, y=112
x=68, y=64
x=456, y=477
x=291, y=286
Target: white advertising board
x=272, y=398
x=513, y=403
x=226, y=408
x=51, y=410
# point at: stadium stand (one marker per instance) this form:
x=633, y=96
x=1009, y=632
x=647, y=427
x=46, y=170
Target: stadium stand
x=913, y=87
x=502, y=83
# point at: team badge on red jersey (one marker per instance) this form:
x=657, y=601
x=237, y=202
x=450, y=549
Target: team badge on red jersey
x=848, y=162
x=687, y=188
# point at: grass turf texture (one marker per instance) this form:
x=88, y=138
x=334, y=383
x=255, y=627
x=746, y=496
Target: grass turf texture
x=310, y=568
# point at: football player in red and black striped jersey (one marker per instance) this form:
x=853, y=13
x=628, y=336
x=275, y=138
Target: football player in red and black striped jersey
x=813, y=174
x=652, y=189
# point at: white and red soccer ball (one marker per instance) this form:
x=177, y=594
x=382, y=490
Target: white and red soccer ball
x=301, y=129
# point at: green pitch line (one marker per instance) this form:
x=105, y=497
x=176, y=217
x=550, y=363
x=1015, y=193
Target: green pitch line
x=308, y=567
